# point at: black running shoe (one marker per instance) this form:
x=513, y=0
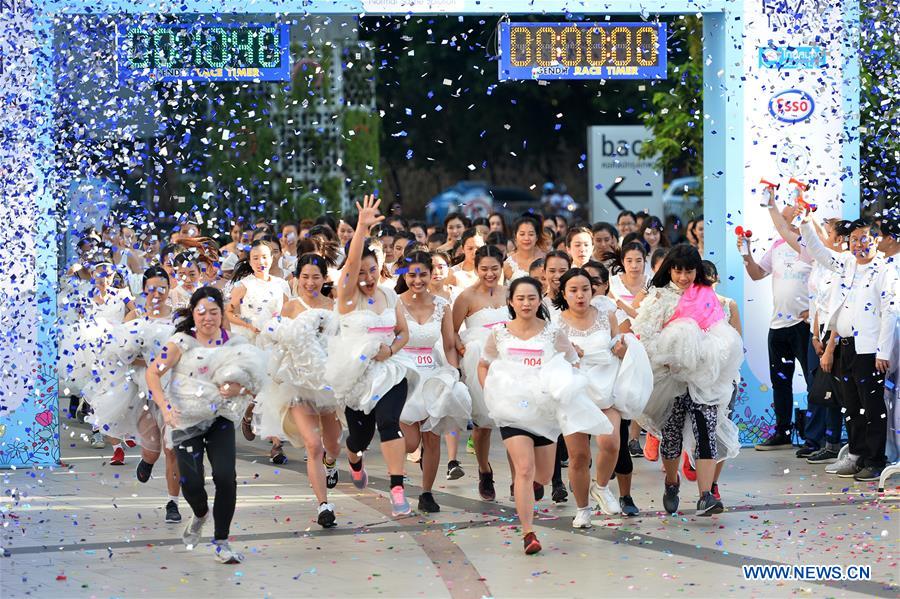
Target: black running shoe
x=670, y=497
x=326, y=517
x=486, y=486
x=777, y=441
x=628, y=507
x=276, y=455
x=709, y=505
x=428, y=504
x=172, y=513
x=143, y=471
x=635, y=449
x=559, y=493
x=538, y=491
x=454, y=470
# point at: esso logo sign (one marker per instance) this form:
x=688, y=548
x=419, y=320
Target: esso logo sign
x=792, y=106
x=480, y=207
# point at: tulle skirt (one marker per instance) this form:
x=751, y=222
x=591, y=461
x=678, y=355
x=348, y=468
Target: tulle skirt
x=474, y=340
x=439, y=400
x=546, y=401
x=625, y=385
x=81, y=345
x=703, y=364
x=357, y=380
x=195, y=395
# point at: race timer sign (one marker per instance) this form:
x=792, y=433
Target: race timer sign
x=205, y=52
x=582, y=51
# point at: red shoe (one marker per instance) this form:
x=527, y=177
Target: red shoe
x=689, y=472
x=130, y=443
x=715, y=491
x=118, y=457
x=532, y=545
x=651, y=448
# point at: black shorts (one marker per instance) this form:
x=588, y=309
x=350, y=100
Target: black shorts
x=507, y=432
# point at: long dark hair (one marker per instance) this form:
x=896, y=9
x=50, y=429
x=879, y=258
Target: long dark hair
x=185, y=316
x=319, y=262
x=243, y=269
x=327, y=243
x=685, y=257
x=560, y=301
x=542, y=312
x=413, y=257
x=618, y=265
x=152, y=273
x=653, y=222
x=488, y=251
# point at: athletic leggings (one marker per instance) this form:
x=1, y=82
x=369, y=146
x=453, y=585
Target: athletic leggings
x=624, y=465
x=703, y=420
x=385, y=416
x=218, y=442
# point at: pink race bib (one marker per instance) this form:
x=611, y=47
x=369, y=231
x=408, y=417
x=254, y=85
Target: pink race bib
x=423, y=357
x=528, y=357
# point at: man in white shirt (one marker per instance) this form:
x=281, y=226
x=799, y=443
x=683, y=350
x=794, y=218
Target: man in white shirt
x=862, y=316
x=789, y=334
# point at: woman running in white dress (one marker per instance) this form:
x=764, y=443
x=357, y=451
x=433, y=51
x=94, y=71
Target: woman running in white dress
x=464, y=274
x=534, y=393
x=298, y=405
x=438, y=402
x=363, y=368
x=619, y=389
x=213, y=378
x=480, y=307
x=256, y=298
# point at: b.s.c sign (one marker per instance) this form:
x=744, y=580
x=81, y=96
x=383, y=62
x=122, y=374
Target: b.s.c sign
x=792, y=106
x=582, y=51
x=206, y=52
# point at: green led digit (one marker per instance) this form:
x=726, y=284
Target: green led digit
x=268, y=51
x=139, y=57
x=215, y=48
x=242, y=46
x=182, y=49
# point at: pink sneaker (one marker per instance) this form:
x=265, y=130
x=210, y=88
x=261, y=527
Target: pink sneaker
x=399, y=504
x=360, y=479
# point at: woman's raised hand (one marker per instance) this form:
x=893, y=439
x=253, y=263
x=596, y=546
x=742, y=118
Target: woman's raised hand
x=368, y=213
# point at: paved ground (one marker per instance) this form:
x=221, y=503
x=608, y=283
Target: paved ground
x=91, y=530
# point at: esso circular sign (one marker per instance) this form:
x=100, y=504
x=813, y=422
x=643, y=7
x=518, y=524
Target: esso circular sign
x=479, y=207
x=792, y=106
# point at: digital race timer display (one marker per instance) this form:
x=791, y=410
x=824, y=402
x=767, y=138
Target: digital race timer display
x=582, y=51
x=207, y=52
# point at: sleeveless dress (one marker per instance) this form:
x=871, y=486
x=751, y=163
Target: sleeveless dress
x=262, y=302
x=439, y=400
x=119, y=395
x=612, y=383
x=358, y=380
x=686, y=358
x=477, y=330
x=298, y=353
x=532, y=385
x=516, y=270
x=83, y=342
x=193, y=390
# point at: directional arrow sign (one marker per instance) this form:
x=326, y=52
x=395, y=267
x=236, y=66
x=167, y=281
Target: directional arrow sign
x=619, y=179
x=612, y=193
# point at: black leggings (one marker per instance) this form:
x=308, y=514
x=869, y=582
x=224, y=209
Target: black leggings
x=385, y=416
x=624, y=465
x=218, y=442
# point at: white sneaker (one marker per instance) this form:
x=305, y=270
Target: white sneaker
x=97, y=441
x=845, y=461
x=582, y=518
x=225, y=554
x=606, y=501
x=191, y=534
